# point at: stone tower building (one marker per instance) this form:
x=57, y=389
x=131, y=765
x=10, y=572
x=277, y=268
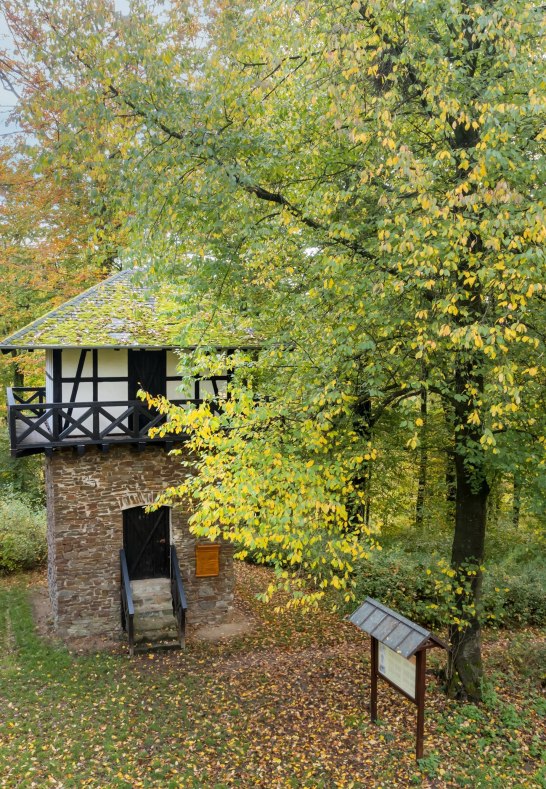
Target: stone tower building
x=111, y=563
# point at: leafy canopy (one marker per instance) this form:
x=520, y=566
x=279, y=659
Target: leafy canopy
x=363, y=186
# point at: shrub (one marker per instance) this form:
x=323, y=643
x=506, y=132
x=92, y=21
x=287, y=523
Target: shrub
x=22, y=536
x=20, y=478
x=400, y=582
x=412, y=575
x=418, y=586
x=516, y=600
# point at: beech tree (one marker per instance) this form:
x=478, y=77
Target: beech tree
x=357, y=191
x=58, y=235
x=53, y=214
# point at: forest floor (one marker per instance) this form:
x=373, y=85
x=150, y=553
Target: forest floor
x=283, y=705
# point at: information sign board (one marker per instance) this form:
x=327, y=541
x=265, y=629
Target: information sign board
x=207, y=561
x=398, y=656
x=397, y=669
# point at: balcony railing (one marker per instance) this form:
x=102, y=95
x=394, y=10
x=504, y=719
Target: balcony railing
x=36, y=426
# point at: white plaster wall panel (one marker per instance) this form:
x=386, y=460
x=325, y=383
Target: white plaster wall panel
x=206, y=387
x=173, y=360
x=69, y=364
x=49, y=397
x=49, y=377
x=108, y=391
x=113, y=391
x=174, y=393
x=84, y=393
x=112, y=364
x=222, y=388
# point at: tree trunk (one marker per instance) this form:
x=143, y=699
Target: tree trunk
x=423, y=462
x=18, y=379
x=494, y=502
x=516, y=503
x=362, y=424
x=368, y=500
x=465, y=670
x=362, y=484
x=451, y=476
x=451, y=480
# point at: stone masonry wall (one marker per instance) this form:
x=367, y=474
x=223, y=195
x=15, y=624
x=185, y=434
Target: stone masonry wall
x=86, y=496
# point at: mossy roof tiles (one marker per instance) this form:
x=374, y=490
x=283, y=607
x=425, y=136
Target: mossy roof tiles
x=121, y=312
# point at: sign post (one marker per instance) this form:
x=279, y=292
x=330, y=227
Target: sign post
x=420, y=686
x=398, y=656
x=373, y=681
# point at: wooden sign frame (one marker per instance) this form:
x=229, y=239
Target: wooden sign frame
x=207, y=560
x=404, y=642
x=418, y=700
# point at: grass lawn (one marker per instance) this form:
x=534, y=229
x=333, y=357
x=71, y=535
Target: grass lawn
x=283, y=706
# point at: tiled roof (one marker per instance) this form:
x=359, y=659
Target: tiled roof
x=391, y=628
x=121, y=312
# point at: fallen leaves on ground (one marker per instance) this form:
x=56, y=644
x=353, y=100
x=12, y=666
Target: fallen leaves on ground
x=285, y=705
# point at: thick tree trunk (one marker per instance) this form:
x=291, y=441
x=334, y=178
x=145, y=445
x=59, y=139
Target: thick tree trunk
x=465, y=670
x=451, y=476
x=423, y=463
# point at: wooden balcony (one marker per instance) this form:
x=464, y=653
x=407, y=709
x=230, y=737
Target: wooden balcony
x=37, y=426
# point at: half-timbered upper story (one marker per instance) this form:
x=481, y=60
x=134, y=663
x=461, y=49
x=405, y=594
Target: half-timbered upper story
x=101, y=348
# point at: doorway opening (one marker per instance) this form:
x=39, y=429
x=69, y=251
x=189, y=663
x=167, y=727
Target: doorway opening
x=146, y=540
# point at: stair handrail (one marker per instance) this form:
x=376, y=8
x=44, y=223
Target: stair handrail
x=127, y=605
x=180, y=605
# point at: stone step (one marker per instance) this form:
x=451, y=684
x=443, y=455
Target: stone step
x=154, y=619
x=151, y=583
x=157, y=629
x=150, y=592
x=152, y=603
x=151, y=587
x=155, y=624
x=156, y=636
x=156, y=646
x=164, y=614
x=155, y=609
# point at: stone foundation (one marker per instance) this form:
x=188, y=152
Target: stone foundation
x=86, y=496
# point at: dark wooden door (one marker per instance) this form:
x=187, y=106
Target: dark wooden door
x=146, y=542
x=148, y=371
